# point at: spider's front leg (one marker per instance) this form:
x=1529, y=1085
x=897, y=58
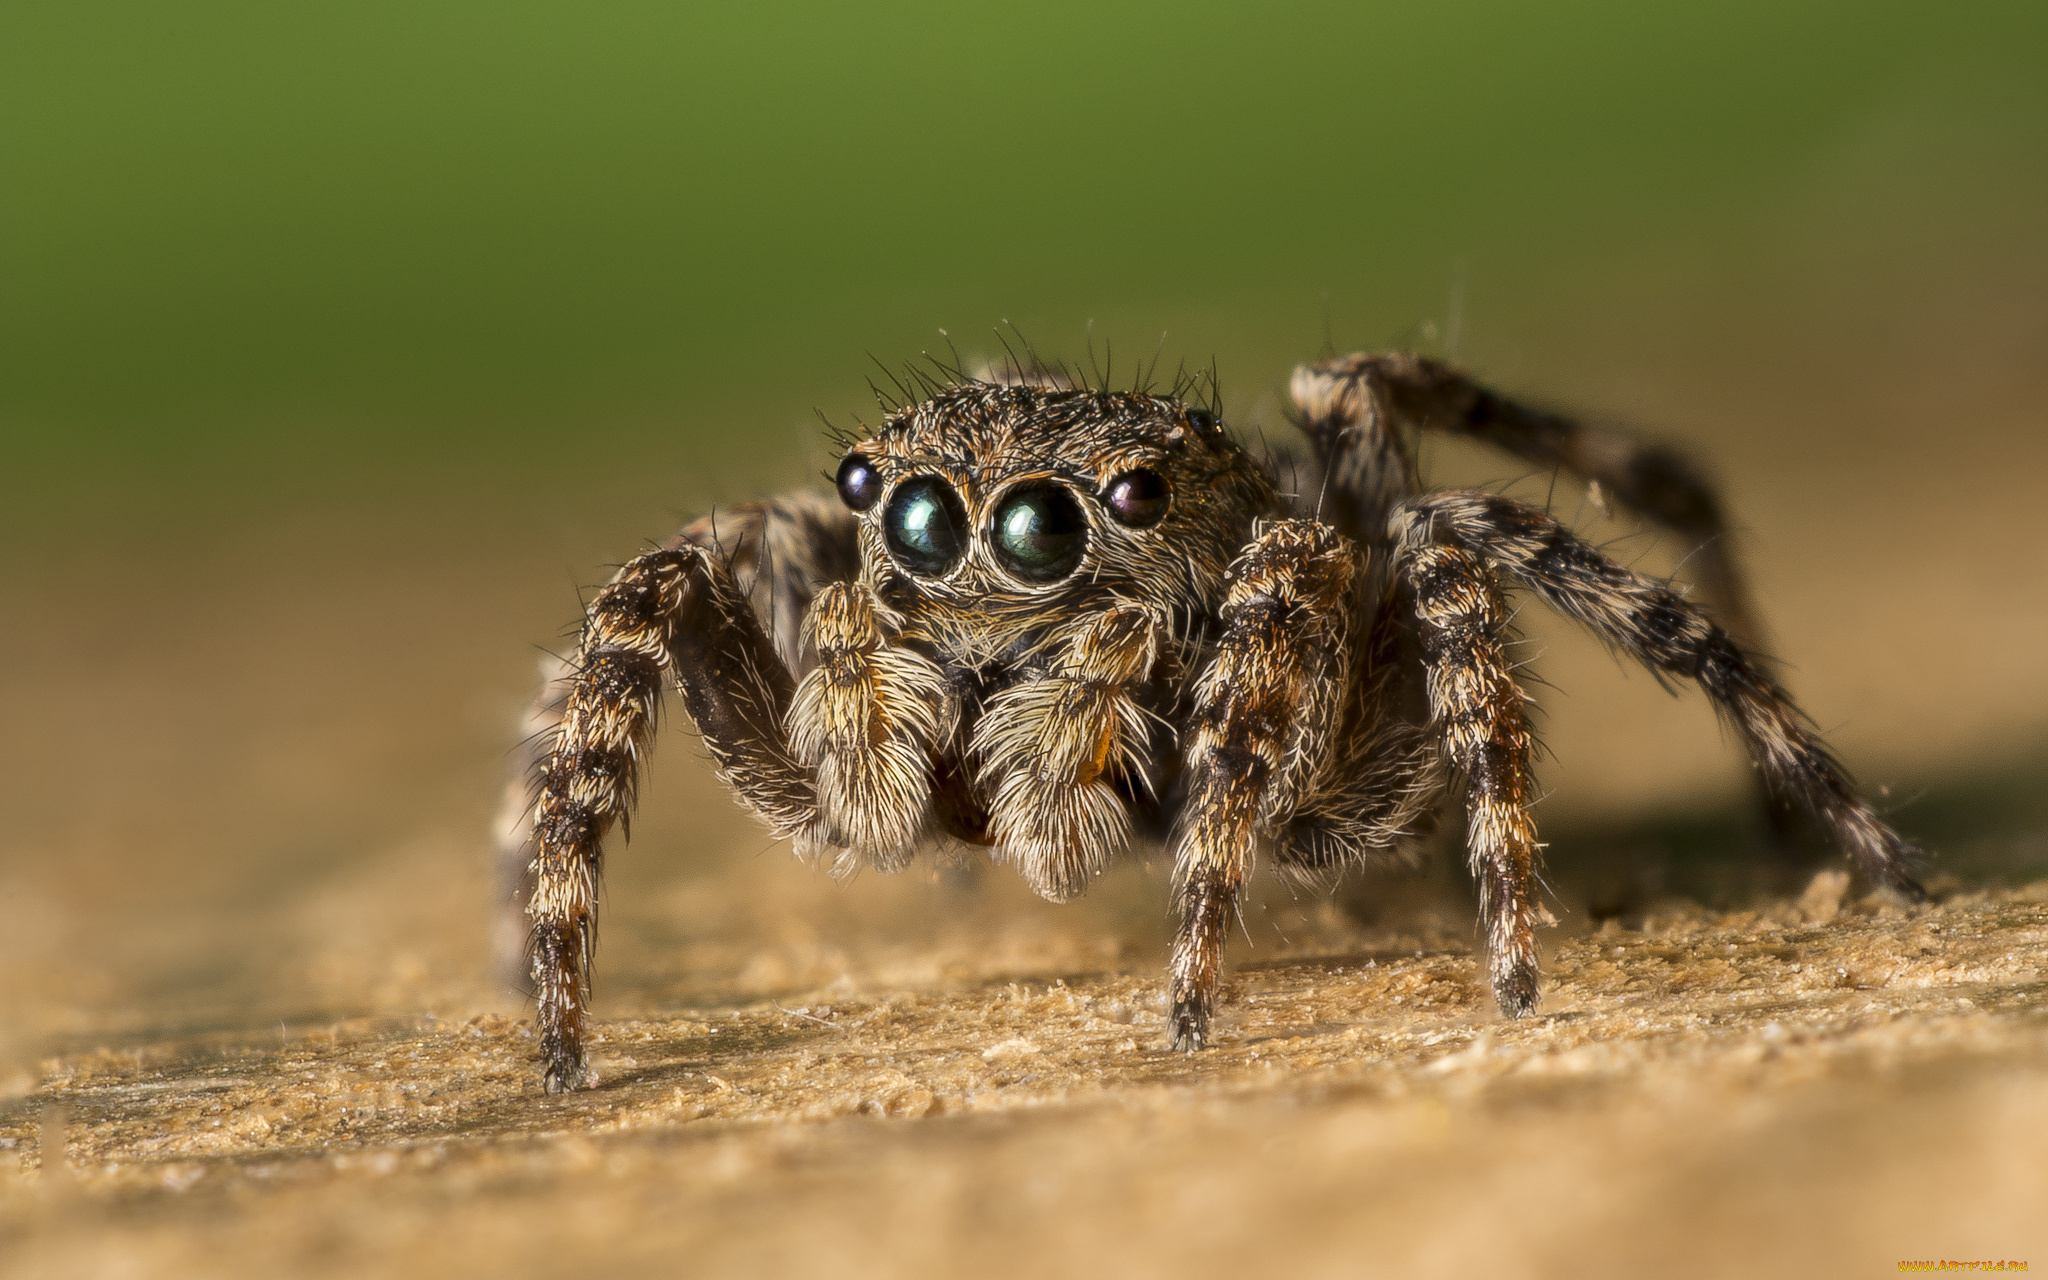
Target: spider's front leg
x=671, y=614
x=1049, y=747
x=1476, y=706
x=1266, y=709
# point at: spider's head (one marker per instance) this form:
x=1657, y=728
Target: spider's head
x=1003, y=501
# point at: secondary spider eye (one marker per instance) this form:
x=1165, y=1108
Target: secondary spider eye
x=1137, y=498
x=1040, y=533
x=859, y=483
x=925, y=526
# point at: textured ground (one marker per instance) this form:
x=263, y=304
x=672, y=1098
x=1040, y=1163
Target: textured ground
x=1820, y=1086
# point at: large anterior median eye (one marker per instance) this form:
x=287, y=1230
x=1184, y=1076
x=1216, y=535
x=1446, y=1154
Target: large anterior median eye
x=1040, y=532
x=925, y=526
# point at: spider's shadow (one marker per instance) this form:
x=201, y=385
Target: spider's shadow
x=1982, y=827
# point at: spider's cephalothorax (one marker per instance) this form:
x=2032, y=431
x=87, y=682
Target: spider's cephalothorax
x=1043, y=563
x=1049, y=620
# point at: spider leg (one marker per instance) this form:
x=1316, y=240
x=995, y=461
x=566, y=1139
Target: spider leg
x=1354, y=408
x=780, y=552
x=1050, y=747
x=675, y=614
x=1670, y=636
x=1476, y=706
x=1266, y=708
x=1351, y=406
x=1365, y=463
x=512, y=830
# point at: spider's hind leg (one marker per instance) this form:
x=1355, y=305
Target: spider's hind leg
x=1352, y=405
x=1671, y=636
x=1360, y=411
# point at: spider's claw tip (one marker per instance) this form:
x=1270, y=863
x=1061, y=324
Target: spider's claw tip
x=567, y=1076
x=1515, y=992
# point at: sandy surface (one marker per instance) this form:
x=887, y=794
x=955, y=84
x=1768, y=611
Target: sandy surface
x=1818, y=1086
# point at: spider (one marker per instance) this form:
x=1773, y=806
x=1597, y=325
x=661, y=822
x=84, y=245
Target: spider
x=1050, y=619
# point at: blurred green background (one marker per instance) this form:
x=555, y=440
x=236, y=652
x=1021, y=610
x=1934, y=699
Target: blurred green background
x=340, y=344
x=389, y=235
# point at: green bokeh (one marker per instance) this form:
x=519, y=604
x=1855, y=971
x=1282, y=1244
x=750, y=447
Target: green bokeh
x=226, y=221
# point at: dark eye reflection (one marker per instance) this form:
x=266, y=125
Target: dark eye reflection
x=925, y=526
x=1040, y=533
x=1137, y=498
x=859, y=483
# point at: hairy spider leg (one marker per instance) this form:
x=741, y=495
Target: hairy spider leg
x=1670, y=636
x=1654, y=481
x=1382, y=780
x=1264, y=711
x=1369, y=394
x=780, y=551
x=674, y=614
x=512, y=832
x=1477, y=708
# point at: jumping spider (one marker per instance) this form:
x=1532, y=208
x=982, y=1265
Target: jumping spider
x=1048, y=619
